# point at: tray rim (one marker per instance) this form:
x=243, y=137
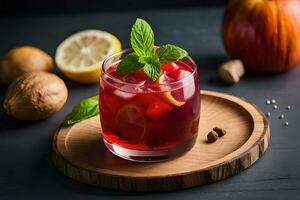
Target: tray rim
x=264, y=136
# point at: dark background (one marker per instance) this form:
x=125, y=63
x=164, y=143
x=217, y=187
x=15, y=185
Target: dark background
x=26, y=169
x=30, y=7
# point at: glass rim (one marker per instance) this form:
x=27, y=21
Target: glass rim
x=128, y=50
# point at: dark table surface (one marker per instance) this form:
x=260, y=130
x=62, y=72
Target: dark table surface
x=26, y=170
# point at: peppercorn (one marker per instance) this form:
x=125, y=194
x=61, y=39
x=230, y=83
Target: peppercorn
x=212, y=136
x=221, y=132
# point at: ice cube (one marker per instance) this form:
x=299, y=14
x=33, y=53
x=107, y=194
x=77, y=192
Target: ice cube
x=166, y=79
x=188, y=84
x=124, y=95
x=189, y=90
x=134, y=79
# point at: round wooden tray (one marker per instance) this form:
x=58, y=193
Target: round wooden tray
x=79, y=153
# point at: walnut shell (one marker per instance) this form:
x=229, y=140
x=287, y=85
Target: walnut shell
x=35, y=96
x=23, y=59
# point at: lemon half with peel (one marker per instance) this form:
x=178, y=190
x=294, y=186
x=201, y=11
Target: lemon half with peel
x=81, y=55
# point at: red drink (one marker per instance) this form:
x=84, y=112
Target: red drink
x=145, y=120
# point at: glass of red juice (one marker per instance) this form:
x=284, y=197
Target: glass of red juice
x=145, y=120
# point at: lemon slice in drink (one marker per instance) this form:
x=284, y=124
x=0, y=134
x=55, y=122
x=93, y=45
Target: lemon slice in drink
x=80, y=56
x=130, y=123
x=168, y=95
x=172, y=100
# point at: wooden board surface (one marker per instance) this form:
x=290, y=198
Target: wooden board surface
x=79, y=153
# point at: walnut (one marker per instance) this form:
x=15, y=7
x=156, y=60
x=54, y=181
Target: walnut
x=21, y=60
x=35, y=96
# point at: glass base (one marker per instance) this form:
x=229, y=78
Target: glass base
x=149, y=156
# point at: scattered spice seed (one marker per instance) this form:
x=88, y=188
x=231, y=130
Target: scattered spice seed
x=275, y=107
x=268, y=114
x=286, y=123
x=221, y=132
x=268, y=102
x=273, y=101
x=281, y=116
x=288, y=107
x=212, y=136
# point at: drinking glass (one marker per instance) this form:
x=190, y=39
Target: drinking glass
x=148, y=121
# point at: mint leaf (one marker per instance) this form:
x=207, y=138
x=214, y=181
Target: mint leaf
x=153, y=69
x=145, y=59
x=170, y=53
x=85, y=109
x=142, y=38
x=129, y=64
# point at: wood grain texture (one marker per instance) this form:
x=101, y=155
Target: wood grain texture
x=78, y=151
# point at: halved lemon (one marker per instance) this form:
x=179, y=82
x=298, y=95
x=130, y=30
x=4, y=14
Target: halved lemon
x=169, y=97
x=81, y=55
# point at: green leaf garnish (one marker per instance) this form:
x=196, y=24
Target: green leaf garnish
x=142, y=38
x=144, y=56
x=85, y=109
x=145, y=59
x=152, y=70
x=129, y=64
x=169, y=53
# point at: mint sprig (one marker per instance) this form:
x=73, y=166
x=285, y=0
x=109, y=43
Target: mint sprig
x=144, y=56
x=85, y=109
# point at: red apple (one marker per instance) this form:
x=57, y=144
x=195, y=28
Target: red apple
x=264, y=34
